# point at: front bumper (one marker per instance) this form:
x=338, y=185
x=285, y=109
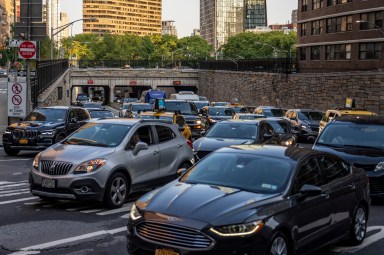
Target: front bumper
x=35, y=143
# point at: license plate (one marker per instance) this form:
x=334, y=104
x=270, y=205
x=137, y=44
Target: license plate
x=165, y=252
x=23, y=141
x=48, y=183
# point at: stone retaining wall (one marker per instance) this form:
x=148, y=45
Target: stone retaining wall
x=317, y=91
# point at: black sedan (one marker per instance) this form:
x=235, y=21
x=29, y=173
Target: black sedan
x=253, y=200
x=235, y=132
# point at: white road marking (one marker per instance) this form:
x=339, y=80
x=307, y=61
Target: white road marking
x=10, y=191
x=14, y=194
x=4, y=182
x=33, y=248
x=125, y=208
x=91, y=211
x=4, y=187
x=125, y=216
x=17, y=200
x=33, y=203
x=368, y=241
x=18, y=173
x=78, y=208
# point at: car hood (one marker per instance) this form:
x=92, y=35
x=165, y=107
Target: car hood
x=74, y=153
x=355, y=155
x=206, y=203
x=35, y=125
x=211, y=144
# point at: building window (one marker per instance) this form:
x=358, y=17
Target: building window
x=317, y=4
x=59, y=93
x=317, y=27
x=315, y=53
x=303, y=31
x=304, y=6
x=370, y=50
x=336, y=2
x=338, y=52
x=373, y=19
x=303, y=53
x=339, y=24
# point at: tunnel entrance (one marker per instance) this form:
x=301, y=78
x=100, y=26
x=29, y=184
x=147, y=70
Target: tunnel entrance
x=100, y=94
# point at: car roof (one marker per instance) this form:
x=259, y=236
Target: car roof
x=168, y=114
x=58, y=107
x=361, y=119
x=352, y=111
x=248, y=122
x=305, y=110
x=136, y=103
x=249, y=114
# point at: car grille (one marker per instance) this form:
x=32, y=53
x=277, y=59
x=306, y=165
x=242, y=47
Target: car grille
x=376, y=185
x=202, y=154
x=175, y=236
x=55, y=168
x=25, y=133
x=314, y=128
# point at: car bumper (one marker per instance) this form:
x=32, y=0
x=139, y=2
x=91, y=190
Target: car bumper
x=37, y=143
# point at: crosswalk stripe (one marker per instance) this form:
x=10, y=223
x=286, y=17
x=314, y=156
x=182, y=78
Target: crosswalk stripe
x=125, y=208
x=78, y=208
x=14, y=194
x=4, y=182
x=125, y=216
x=13, y=185
x=91, y=211
x=10, y=191
x=33, y=203
x=17, y=200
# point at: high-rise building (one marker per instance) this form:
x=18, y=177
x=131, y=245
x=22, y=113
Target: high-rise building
x=122, y=16
x=63, y=21
x=11, y=7
x=340, y=35
x=196, y=32
x=294, y=18
x=53, y=19
x=221, y=19
x=168, y=28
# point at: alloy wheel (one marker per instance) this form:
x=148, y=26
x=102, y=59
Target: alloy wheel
x=360, y=224
x=118, y=191
x=279, y=246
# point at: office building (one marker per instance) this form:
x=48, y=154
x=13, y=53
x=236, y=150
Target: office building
x=122, y=16
x=53, y=19
x=221, y=19
x=4, y=23
x=195, y=32
x=340, y=35
x=64, y=20
x=168, y=28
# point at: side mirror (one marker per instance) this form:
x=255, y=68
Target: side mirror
x=310, y=190
x=139, y=147
x=311, y=139
x=181, y=171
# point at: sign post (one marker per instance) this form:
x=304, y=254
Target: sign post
x=17, y=99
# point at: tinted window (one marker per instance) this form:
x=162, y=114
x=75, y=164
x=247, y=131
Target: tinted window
x=99, y=134
x=164, y=133
x=310, y=115
x=142, y=134
x=47, y=115
x=200, y=105
x=309, y=173
x=281, y=127
x=233, y=130
x=101, y=114
x=141, y=107
x=334, y=168
x=81, y=114
x=213, y=111
x=184, y=107
x=255, y=173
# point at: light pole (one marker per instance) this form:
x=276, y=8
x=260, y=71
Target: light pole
x=61, y=28
x=368, y=22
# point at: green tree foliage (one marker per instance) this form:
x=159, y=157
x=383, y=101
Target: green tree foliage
x=252, y=46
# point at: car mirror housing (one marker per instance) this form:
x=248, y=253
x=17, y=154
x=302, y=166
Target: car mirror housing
x=139, y=147
x=310, y=190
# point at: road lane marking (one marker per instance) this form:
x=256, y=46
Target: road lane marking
x=39, y=247
x=14, y=194
x=17, y=200
x=125, y=208
x=5, y=182
x=91, y=211
x=79, y=208
x=368, y=241
x=4, y=187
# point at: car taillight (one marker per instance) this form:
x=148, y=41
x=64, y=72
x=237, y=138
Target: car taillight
x=190, y=143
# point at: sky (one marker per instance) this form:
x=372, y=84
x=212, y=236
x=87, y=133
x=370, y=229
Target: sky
x=186, y=13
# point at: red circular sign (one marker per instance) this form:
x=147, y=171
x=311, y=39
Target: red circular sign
x=27, y=50
x=16, y=88
x=17, y=100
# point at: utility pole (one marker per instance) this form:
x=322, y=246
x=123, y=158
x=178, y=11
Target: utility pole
x=28, y=61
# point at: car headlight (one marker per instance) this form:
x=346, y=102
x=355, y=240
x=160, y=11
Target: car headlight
x=48, y=132
x=135, y=215
x=287, y=142
x=380, y=166
x=90, y=166
x=198, y=122
x=36, y=161
x=239, y=230
x=8, y=132
x=303, y=127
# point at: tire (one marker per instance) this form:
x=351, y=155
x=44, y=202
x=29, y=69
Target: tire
x=359, y=225
x=10, y=152
x=116, y=192
x=59, y=138
x=279, y=245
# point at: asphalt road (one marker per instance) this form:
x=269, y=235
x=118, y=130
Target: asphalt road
x=29, y=225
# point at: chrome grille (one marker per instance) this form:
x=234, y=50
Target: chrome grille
x=55, y=168
x=25, y=133
x=174, y=236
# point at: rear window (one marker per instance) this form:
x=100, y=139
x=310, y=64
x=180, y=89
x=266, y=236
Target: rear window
x=185, y=108
x=273, y=112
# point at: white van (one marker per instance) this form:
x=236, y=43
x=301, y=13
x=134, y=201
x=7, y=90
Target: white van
x=185, y=95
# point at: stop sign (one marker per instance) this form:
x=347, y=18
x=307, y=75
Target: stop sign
x=27, y=50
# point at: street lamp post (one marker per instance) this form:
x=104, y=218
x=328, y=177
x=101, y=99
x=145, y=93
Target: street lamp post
x=61, y=28
x=368, y=22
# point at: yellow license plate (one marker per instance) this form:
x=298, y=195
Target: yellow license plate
x=165, y=252
x=23, y=141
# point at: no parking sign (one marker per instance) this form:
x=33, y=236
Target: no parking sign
x=17, y=97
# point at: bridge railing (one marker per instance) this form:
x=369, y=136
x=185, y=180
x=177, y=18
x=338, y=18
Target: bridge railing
x=136, y=64
x=47, y=72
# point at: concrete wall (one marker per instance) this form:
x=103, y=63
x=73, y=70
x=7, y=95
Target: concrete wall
x=50, y=96
x=318, y=91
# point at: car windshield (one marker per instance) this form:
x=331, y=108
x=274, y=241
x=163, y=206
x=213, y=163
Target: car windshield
x=260, y=174
x=281, y=126
x=141, y=107
x=82, y=97
x=233, y=130
x=99, y=134
x=353, y=135
x=185, y=108
x=310, y=115
x=251, y=117
x=152, y=117
x=47, y=115
x=273, y=112
x=101, y=114
x=200, y=105
x=91, y=105
x=222, y=103
x=220, y=111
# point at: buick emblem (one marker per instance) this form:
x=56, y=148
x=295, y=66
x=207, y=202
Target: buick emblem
x=172, y=219
x=52, y=167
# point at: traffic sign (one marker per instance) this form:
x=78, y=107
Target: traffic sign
x=17, y=99
x=27, y=50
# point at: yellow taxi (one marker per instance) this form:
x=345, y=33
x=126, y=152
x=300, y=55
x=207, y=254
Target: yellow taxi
x=331, y=114
x=172, y=117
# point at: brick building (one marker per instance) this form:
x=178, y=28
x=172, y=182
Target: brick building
x=340, y=35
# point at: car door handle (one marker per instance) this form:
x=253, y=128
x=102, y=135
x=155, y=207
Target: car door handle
x=155, y=153
x=325, y=195
x=179, y=146
x=352, y=186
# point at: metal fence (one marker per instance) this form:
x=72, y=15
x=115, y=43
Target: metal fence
x=137, y=64
x=47, y=72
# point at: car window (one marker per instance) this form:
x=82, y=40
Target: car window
x=72, y=115
x=142, y=134
x=47, y=115
x=308, y=173
x=81, y=114
x=334, y=168
x=233, y=130
x=281, y=126
x=164, y=133
x=185, y=108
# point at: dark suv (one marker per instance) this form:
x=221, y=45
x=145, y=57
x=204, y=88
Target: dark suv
x=190, y=114
x=43, y=127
